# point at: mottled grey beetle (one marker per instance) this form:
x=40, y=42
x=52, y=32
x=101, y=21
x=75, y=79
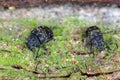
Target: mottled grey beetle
x=93, y=38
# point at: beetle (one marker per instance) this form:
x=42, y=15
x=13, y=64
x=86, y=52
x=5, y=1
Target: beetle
x=37, y=37
x=93, y=38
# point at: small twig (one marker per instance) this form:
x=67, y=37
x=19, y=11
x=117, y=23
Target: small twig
x=20, y=67
x=3, y=50
x=3, y=69
x=55, y=76
x=91, y=74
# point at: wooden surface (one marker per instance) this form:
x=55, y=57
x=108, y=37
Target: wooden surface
x=23, y=3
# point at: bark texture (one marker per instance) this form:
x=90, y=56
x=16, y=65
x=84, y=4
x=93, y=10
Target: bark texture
x=24, y=3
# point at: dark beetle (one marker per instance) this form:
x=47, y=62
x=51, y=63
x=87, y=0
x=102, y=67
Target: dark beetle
x=93, y=37
x=39, y=36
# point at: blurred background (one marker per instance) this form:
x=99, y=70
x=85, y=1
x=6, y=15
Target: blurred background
x=97, y=11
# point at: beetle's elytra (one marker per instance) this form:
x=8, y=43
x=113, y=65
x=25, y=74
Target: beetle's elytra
x=94, y=37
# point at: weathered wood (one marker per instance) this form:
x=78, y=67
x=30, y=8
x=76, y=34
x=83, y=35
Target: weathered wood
x=23, y=3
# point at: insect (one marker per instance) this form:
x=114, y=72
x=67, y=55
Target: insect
x=93, y=38
x=37, y=37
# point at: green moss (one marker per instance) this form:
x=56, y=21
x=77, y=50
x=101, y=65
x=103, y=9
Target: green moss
x=57, y=53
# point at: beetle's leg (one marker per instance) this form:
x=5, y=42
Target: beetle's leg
x=36, y=54
x=91, y=49
x=107, y=46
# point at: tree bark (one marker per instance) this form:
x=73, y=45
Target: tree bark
x=24, y=3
